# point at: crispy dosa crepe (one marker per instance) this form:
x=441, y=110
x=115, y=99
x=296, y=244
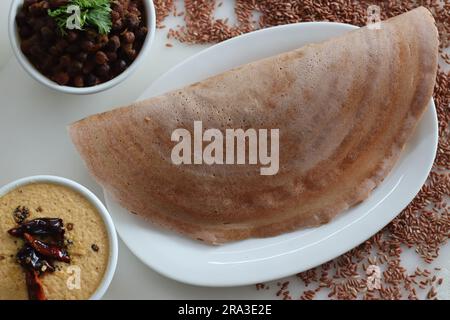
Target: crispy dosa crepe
x=345, y=108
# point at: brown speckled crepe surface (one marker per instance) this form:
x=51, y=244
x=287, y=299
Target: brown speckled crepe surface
x=345, y=109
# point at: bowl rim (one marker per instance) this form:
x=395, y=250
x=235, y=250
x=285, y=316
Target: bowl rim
x=99, y=206
x=39, y=77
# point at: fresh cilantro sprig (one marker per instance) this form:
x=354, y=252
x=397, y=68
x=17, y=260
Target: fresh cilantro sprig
x=93, y=13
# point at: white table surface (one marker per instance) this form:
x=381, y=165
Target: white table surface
x=33, y=140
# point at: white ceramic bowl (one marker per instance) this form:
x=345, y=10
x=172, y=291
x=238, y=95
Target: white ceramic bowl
x=110, y=229
x=37, y=75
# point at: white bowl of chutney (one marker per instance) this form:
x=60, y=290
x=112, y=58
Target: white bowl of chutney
x=89, y=232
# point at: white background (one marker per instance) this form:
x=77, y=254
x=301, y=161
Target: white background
x=33, y=140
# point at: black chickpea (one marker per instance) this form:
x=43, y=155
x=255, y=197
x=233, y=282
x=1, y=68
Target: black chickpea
x=88, y=66
x=127, y=48
x=78, y=81
x=128, y=37
x=81, y=56
x=132, y=21
x=103, y=70
x=112, y=56
x=90, y=80
x=62, y=78
x=88, y=46
x=47, y=34
x=25, y=32
x=120, y=65
x=75, y=68
x=72, y=36
x=65, y=60
x=101, y=57
x=73, y=48
x=114, y=43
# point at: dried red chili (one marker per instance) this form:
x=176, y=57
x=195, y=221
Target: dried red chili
x=30, y=259
x=34, y=285
x=36, y=257
x=41, y=226
x=47, y=249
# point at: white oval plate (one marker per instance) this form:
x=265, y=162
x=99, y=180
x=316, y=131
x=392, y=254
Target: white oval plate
x=257, y=260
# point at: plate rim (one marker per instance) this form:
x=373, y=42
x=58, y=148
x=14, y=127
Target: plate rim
x=206, y=281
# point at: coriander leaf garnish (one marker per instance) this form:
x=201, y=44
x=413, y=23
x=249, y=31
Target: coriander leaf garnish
x=93, y=13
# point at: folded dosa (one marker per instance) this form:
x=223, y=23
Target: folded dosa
x=344, y=108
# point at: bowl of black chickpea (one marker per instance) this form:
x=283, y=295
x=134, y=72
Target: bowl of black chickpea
x=81, y=46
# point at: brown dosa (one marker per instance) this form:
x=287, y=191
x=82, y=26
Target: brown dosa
x=345, y=109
